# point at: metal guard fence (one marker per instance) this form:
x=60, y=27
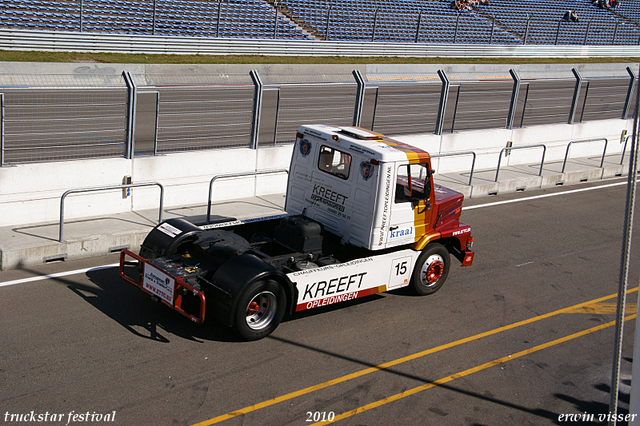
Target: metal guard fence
x=147, y=118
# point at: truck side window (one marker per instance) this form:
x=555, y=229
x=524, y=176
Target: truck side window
x=334, y=162
x=413, y=180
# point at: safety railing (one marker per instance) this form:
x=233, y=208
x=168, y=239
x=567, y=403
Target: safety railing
x=540, y=145
x=107, y=188
x=232, y=175
x=566, y=155
x=451, y=154
x=13, y=39
x=624, y=148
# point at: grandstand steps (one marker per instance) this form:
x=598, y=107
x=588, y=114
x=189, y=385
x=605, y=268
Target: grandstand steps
x=625, y=18
x=284, y=11
x=500, y=25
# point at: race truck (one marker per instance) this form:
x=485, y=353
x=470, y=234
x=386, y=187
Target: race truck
x=362, y=216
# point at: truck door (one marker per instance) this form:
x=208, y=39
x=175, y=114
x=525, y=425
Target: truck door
x=411, y=210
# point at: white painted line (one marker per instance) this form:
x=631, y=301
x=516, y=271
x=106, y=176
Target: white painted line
x=535, y=197
x=60, y=274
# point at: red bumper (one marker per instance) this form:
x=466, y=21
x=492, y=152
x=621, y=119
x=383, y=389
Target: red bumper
x=180, y=289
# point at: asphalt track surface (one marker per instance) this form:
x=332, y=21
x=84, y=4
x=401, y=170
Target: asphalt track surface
x=522, y=337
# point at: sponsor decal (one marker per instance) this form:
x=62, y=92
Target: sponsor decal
x=336, y=266
x=340, y=298
x=366, y=169
x=331, y=300
x=462, y=231
x=336, y=286
x=332, y=286
x=158, y=283
x=385, y=208
x=170, y=230
x=242, y=222
x=305, y=147
x=362, y=150
x=331, y=199
x=397, y=233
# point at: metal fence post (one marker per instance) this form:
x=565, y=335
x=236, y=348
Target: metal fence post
x=455, y=33
x=275, y=19
x=586, y=32
x=257, y=108
x=375, y=24
x=615, y=33
x=444, y=95
x=624, y=278
x=218, y=21
x=153, y=21
x=493, y=29
x=526, y=31
x=627, y=102
x=131, y=111
x=357, y=114
x=155, y=131
x=576, y=95
x=1, y=129
x=326, y=31
x=514, y=98
x=558, y=32
x=418, y=27
x=81, y=13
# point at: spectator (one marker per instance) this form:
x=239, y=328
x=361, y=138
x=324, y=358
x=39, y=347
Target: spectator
x=467, y=4
x=570, y=16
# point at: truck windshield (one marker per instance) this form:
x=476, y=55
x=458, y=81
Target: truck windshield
x=413, y=183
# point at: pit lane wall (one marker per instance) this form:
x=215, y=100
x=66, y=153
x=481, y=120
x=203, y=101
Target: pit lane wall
x=31, y=193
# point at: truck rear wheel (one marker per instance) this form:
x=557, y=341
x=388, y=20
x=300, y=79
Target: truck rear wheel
x=260, y=309
x=431, y=269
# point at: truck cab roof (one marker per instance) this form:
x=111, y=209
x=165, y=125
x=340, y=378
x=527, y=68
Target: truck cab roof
x=362, y=141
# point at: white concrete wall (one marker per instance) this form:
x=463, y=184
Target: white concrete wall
x=487, y=144
x=31, y=193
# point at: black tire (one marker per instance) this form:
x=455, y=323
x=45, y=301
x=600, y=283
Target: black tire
x=431, y=269
x=260, y=309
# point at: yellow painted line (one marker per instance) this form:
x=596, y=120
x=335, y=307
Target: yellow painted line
x=464, y=373
x=395, y=362
x=604, y=308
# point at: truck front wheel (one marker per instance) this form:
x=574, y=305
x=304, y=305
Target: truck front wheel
x=431, y=269
x=260, y=309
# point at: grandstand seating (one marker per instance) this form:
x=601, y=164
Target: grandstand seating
x=425, y=21
x=228, y=18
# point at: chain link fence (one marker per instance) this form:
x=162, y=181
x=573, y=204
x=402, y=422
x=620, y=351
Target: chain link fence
x=401, y=103
x=62, y=117
x=291, y=99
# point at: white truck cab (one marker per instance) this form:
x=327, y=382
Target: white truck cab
x=371, y=190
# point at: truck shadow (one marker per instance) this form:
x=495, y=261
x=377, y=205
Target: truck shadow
x=137, y=313
x=598, y=413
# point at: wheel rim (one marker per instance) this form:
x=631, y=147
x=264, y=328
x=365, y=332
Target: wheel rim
x=432, y=270
x=261, y=310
